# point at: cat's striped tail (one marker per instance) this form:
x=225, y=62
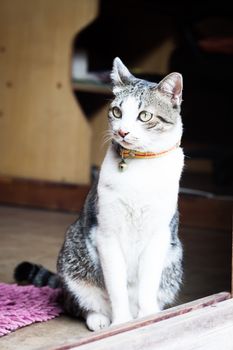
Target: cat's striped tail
x=37, y=275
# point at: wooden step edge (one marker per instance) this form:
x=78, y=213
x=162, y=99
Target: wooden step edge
x=161, y=316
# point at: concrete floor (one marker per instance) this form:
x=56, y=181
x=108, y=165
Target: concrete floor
x=37, y=235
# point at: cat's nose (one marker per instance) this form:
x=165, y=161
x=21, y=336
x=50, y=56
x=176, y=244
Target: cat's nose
x=123, y=133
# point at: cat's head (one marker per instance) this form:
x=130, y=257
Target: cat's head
x=145, y=115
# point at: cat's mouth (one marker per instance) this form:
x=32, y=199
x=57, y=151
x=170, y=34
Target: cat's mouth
x=126, y=143
x=122, y=141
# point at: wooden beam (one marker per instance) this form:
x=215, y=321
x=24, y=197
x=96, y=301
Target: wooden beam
x=195, y=211
x=42, y=194
x=201, y=212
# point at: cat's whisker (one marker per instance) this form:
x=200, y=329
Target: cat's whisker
x=107, y=133
x=107, y=136
x=106, y=140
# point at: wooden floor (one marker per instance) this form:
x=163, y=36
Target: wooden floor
x=36, y=235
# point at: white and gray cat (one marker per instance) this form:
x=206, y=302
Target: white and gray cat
x=122, y=258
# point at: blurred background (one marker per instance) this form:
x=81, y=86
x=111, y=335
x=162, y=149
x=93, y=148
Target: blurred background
x=55, y=60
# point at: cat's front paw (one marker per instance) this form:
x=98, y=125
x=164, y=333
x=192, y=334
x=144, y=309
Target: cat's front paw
x=149, y=310
x=96, y=321
x=119, y=320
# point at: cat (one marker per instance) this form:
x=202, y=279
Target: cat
x=122, y=258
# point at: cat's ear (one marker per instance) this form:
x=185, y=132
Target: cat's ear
x=172, y=86
x=120, y=75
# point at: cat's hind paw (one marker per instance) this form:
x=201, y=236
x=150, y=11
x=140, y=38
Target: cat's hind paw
x=97, y=321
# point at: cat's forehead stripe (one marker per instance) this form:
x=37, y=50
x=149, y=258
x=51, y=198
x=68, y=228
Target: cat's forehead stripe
x=140, y=89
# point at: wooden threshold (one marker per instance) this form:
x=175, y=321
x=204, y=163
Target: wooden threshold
x=96, y=340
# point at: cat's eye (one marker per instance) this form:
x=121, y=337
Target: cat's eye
x=116, y=112
x=145, y=116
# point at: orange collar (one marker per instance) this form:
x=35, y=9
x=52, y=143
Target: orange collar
x=132, y=154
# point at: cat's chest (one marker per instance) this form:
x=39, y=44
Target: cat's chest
x=135, y=204
x=130, y=197
x=143, y=186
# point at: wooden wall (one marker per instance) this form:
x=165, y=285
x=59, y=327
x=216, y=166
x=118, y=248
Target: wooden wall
x=43, y=132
